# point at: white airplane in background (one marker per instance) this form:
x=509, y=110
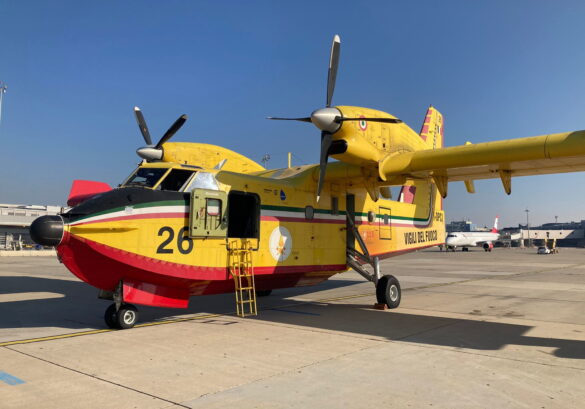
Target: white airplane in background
x=468, y=239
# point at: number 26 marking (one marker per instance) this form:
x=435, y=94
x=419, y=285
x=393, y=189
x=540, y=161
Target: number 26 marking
x=184, y=243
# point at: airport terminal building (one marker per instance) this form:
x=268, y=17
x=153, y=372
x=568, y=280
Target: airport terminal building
x=15, y=219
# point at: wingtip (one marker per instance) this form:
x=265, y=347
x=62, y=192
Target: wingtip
x=136, y=109
x=337, y=39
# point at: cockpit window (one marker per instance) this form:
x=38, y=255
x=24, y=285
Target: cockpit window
x=451, y=235
x=175, y=180
x=145, y=177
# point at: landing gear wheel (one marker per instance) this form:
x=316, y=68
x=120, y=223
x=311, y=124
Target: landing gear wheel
x=388, y=291
x=110, y=317
x=126, y=316
x=263, y=293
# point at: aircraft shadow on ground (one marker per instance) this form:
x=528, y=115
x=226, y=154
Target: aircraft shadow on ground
x=74, y=304
x=79, y=308
x=418, y=329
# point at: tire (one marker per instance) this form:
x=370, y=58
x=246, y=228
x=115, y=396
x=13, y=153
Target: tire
x=127, y=316
x=388, y=291
x=110, y=317
x=263, y=293
x=464, y=249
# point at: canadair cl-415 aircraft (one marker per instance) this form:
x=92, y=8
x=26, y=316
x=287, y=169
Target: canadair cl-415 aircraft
x=466, y=239
x=198, y=219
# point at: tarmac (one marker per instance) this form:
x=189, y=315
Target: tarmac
x=504, y=329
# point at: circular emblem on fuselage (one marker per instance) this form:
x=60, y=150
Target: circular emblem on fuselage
x=280, y=243
x=363, y=124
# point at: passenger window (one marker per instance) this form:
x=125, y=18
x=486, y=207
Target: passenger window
x=175, y=180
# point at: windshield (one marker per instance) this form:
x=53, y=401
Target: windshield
x=145, y=177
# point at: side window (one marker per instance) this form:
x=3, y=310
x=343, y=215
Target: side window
x=407, y=194
x=309, y=212
x=175, y=180
x=203, y=180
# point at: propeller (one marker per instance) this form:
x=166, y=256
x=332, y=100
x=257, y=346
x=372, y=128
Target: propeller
x=150, y=152
x=329, y=119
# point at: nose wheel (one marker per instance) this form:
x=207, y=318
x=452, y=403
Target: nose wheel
x=388, y=291
x=124, y=317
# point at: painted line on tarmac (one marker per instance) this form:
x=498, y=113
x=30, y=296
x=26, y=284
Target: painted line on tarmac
x=100, y=331
x=10, y=379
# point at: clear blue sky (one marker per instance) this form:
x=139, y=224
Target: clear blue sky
x=75, y=70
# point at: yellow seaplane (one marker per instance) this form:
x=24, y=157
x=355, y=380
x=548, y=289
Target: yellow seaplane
x=197, y=219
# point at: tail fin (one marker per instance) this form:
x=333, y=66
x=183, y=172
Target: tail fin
x=432, y=129
x=495, y=228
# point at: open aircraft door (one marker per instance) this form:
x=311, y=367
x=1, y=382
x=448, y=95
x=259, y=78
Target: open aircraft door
x=208, y=213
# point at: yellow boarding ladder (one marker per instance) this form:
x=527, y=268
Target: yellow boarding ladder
x=242, y=271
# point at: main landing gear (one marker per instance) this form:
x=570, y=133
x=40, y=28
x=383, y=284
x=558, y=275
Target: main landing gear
x=124, y=317
x=388, y=291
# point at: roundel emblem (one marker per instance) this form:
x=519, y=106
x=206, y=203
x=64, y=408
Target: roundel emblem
x=280, y=243
x=363, y=124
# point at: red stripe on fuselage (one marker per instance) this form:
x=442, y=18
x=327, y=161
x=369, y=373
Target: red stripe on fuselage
x=103, y=266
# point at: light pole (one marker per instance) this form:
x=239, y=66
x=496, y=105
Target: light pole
x=265, y=159
x=528, y=228
x=3, y=89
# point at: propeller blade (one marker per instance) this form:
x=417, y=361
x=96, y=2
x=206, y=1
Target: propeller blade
x=290, y=119
x=172, y=130
x=325, y=145
x=142, y=125
x=384, y=120
x=333, y=64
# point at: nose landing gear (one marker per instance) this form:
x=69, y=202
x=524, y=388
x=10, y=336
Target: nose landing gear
x=124, y=317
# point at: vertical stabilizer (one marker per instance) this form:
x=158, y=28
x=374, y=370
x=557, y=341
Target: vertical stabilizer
x=432, y=129
x=495, y=228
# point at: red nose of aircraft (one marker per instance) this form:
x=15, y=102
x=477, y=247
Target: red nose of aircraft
x=47, y=230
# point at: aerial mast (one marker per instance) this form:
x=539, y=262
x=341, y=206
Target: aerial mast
x=3, y=89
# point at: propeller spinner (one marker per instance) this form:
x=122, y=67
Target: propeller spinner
x=329, y=119
x=155, y=152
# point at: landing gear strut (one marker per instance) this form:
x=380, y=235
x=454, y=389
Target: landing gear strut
x=119, y=315
x=124, y=318
x=387, y=287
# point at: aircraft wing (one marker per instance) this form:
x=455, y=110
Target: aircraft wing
x=537, y=155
